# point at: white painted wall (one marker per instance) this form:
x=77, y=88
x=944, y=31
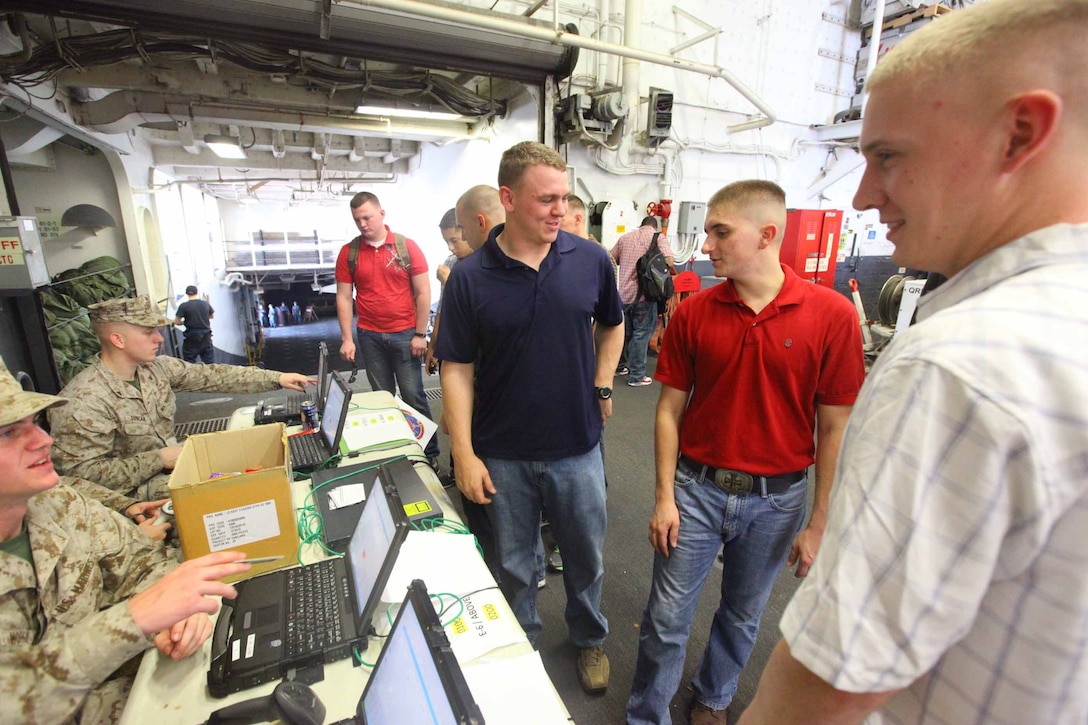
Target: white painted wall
x=76, y=178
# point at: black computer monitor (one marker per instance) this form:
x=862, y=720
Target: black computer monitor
x=417, y=678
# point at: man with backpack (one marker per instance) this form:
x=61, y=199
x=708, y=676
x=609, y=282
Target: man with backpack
x=640, y=310
x=393, y=303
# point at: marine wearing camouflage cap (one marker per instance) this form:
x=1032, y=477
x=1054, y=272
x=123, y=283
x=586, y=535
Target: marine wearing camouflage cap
x=133, y=310
x=16, y=403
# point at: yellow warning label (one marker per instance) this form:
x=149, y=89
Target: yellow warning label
x=417, y=507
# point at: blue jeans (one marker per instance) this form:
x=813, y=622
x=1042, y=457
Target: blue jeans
x=387, y=358
x=757, y=532
x=573, y=490
x=642, y=316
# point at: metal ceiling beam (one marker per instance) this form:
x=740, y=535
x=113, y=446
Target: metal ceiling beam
x=395, y=35
x=123, y=111
x=178, y=158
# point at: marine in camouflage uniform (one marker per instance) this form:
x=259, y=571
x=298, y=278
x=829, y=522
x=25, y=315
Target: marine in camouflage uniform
x=64, y=621
x=82, y=590
x=113, y=430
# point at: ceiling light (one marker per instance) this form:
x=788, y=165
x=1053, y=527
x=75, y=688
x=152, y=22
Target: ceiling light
x=226, y=147
x=406, y=112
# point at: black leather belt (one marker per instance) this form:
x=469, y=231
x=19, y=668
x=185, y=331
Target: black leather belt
x=739, y=482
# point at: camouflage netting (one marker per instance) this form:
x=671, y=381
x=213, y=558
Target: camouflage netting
x=64, y=307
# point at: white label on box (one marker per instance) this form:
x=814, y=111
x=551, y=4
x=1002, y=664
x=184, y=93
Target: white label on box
x=250, y=640
x=243, y=525
x=235, y=650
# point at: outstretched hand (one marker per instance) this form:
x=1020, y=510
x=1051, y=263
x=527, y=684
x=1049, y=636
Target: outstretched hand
x=295, y=381
x=185, y=591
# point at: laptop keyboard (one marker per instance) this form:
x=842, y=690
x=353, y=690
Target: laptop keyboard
x=307, y=450
x=313, y=617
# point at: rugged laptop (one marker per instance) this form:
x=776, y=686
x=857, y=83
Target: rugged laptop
x=310, y=615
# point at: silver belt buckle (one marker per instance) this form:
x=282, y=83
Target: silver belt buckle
x=734, y=482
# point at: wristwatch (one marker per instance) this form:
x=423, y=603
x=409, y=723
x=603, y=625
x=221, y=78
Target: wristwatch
x=604, y=393
x=419, y=334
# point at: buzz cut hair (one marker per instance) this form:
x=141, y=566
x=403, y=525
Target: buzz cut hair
x=449, y=219
x=748, y=192
x=757, y=200
x=519, y=158
x=575, y=205
x=649, y=221
x=991, y=37
x=480, y=199
x=364, y=197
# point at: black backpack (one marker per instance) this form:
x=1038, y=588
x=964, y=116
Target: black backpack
x=652, y=272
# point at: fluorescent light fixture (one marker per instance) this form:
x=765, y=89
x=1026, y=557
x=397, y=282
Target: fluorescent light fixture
x=370, y=110
x=225, y=147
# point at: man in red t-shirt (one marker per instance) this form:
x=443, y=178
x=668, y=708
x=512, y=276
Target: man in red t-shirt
x=749, y=371
x=392, y=302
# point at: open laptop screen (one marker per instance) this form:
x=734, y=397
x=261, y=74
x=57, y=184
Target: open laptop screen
x=373, y=549
x=322, y=376
x=334, y=412
x=417, y=679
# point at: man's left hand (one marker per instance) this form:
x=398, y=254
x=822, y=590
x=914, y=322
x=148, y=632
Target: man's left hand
x=295, y=381
x=804, y=549
x=606, y=409
x=185, y=637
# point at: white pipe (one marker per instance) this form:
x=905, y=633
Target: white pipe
x=632, y=39
x=666, y=178
x=602, y=58
x=874, y=49
x=558, y=37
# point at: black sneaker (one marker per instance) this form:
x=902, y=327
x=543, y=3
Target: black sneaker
x=622, y=370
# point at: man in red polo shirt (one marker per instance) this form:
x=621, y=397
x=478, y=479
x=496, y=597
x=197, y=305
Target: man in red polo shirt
x=393, y=305
x=766, y=359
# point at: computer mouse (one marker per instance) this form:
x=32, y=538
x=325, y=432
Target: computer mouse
x=298, y=704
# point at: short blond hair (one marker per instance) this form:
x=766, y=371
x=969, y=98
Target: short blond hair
x=991, y=37
x=517, y=159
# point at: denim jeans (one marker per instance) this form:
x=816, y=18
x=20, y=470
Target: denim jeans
x=643, y=320
x=627, y=332
x=573, y=490
x=757, y=532
x=387, y=359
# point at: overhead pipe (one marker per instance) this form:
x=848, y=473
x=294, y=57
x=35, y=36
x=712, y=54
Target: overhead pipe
x=874, y=49
x=561, y=37
x=602, y=58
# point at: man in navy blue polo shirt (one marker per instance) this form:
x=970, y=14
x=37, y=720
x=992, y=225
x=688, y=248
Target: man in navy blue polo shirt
x=518, y=317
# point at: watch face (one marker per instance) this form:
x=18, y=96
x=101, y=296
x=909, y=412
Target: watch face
x=604, y=393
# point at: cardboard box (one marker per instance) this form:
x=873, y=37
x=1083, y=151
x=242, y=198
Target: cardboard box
x=251, y=512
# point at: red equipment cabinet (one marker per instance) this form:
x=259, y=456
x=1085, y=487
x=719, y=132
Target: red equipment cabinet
x=810, y=243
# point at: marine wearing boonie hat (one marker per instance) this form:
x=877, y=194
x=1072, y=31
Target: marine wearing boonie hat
x=133, y=310
x=16, y=403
